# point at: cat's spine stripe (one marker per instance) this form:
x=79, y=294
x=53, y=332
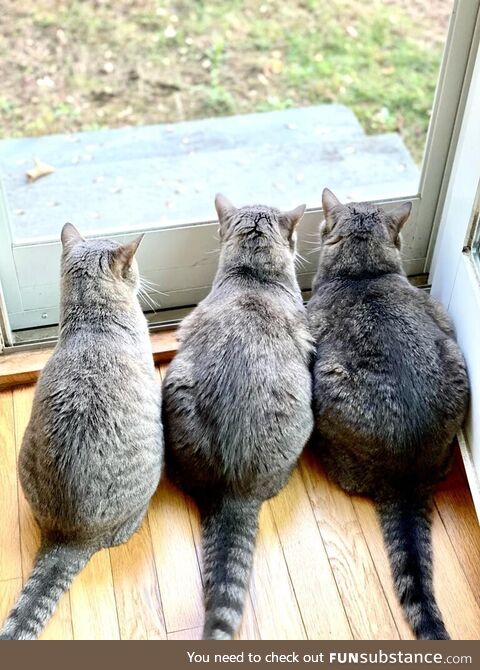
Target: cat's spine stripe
x=54, y=570
x=229, y=532
x=406, y=526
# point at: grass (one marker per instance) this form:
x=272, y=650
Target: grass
x=84, y=65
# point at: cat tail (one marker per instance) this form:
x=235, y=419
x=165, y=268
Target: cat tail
x=229, y=528
x=405, y=519
x=54, y=569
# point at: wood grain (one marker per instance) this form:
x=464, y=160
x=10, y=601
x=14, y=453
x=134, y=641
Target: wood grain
x=10, y=557
x=189, y=634
x=60, y=625
x=456, y=509
x=9, y=592
x=248, y=629
x=139, y=607
x=276, y=609
x=355, y=574
x=174, y=526
x=308, y=565
x=175, y=559
x=320, y=567
x=92, y=599
x=367, y=518
x=457, y=603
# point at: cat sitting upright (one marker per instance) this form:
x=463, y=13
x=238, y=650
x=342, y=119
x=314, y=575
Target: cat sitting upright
x=237, y=397
x=390, y=389
x=92, y=452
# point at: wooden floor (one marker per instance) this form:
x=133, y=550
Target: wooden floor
x=320, y=568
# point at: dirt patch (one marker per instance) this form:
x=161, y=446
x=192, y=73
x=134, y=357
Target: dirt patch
x=97, y=63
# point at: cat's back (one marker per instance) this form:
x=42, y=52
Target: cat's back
x=107, y=360
x=245, y=329
x=378, y=317
x=238, y=394
x=386, y=352
x=95, y=430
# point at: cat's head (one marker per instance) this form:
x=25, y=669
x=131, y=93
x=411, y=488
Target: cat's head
x=360, y=238
x=248, y=231
x=104, y=268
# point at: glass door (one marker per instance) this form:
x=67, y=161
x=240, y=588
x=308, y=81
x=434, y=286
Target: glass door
x=456, y=268
x=347, y=84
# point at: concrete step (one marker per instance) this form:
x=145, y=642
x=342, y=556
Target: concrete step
x=151, y=176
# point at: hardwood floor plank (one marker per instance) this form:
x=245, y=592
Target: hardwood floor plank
x=367, y=517
x=308, y=565
x=137, y=596
x=189, y=634
x=10, y=556
x=248, y=629
x=276, y=609
x=92, y=599
x=60, y=625
x=320, y=566
x=9, y=592
x=455, y=506
x=459, y=607
x=175, y=528
x=175, y=559
x=357, y=580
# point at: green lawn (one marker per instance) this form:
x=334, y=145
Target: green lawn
x=83, y=65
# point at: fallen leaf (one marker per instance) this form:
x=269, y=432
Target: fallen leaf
x=40, y=169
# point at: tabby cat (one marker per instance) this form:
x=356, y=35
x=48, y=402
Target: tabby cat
x=237, y=397
x=92, y=452
x=390, y=389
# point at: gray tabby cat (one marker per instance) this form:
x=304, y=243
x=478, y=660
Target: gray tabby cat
x=237, y=397
x=390, y=389
x=92, y=452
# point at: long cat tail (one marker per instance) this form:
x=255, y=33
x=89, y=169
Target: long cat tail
x=406, y=526
x=229, y=531
x=54, y=569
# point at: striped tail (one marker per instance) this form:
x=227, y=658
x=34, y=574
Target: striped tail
x=54, y=569
x=406, y=525
x=229, y=531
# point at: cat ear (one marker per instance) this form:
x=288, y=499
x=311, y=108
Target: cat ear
x=124, y=254
x=400, y=215
x=225, y=211
x=70, y=236
x=223, y=206
x=329, y=202
x=292, y=218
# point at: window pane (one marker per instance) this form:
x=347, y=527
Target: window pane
x=347, y=87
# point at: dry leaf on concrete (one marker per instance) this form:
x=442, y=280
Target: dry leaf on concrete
x=40, y=169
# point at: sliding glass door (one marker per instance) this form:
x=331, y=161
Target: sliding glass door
x=161, y=179
x=456, y=267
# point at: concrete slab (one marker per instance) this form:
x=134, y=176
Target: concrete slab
x=154, y=176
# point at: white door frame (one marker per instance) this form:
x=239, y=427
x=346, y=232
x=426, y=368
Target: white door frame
x=455, y=276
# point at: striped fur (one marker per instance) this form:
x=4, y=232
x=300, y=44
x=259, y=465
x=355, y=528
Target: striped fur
x=229, y=531
x=92, y=452
x=390, y=388
x=55, y=567
x=406, y=530
x=237, y=396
